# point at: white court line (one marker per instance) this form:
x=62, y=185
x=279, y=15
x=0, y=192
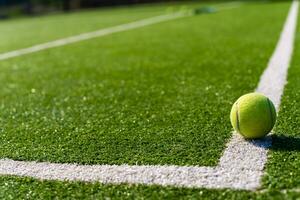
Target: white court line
x=94, y=34
x=240, y=167
x=105, y=31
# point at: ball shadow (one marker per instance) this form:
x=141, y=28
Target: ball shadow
x=285, y=143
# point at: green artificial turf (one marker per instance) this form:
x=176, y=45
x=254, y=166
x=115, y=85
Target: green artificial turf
x=156, y=95
x=25, y=32
x=27, y=188
x=164, y=100
x=283, y=170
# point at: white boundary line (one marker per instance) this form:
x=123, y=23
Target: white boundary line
x=94, y=34
x=240, y=167
x=105, y=31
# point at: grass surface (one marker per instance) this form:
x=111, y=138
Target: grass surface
x=161, y=101
x=100, y=101
x=25, y=32
x=46, y=28
x=284, y=160
x=26, y=188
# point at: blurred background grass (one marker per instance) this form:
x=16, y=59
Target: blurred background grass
x=17, y=8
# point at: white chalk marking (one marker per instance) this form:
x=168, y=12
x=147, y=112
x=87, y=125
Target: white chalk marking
x=240, y=167
x=106, y=31
x=90, y=35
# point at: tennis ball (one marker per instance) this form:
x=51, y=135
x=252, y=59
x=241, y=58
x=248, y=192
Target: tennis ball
x=253, y=115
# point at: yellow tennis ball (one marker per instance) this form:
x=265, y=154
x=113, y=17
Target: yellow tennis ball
x=253, y=115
